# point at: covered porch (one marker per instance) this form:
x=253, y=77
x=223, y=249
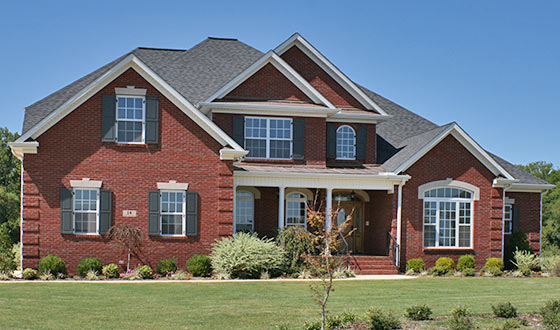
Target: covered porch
x=268, y=198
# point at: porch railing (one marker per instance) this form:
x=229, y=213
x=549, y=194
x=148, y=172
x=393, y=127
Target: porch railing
x=392, y=248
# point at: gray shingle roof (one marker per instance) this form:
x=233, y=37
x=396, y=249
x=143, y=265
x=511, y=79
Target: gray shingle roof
x=199, y=72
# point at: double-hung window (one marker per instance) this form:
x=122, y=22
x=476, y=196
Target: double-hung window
x=131, y=119
x=86, y=211
x=173, y=215
x=447, y=218
x=296, y=209
x=244, y=211
x=508, y=216
x=268, y=137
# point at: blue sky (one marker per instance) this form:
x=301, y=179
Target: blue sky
x=491, y=66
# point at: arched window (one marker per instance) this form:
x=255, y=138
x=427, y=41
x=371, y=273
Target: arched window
x=345, y=143
x=448, y=217
x=244, y=211
x=296, y=209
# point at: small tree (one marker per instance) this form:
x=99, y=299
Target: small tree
x=325, y=238
x=129, y=237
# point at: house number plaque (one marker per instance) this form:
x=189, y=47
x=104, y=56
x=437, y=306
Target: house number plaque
x=129, y=213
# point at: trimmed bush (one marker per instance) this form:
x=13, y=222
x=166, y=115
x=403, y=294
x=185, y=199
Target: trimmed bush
x=465, y=262
x=415, y=265
x=505, y=310
x=377, y=319
x=111, y=271
x=340, y=320
x=29, y=274
x=445, y=263
x=53, y=264
x=461, y=319
x=468, y=272
x=247, y=256
x=199, y=265
x=440, y=271
x=510, y=324
x=494, y=263
x=145, y=272
x=551, y=315
x=418, y=312
x=525, y=261
x=166, y=266
x=87, y=264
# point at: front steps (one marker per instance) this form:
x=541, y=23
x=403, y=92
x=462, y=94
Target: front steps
x=372, y=265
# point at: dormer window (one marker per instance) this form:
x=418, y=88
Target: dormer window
x=268, y=137
x=131, y=120
x=345, y=143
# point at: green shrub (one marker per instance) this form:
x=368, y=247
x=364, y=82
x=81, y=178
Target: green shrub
x=509, y=325
x=91, y=275
x=166, y=266
x=87, y=264
x=505, y=310
x=145, y=272
x=445, y=263
x=551, y=315
x=440, y=271
x=377, y=319
x=551, y=264
x=30, y=274
x=53, y=264
x=111, y=271
x=494, y=263
x=296, y=243
x=465, y=261
x=7, y=259
x=199, y=265
x=525, y=261
x=517, y=241
x=340, y=320
x=468, y=272
x=418, y=312
x=461, y=319
x=247, y=256
x=415, y=265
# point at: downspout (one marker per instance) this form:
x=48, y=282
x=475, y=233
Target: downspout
x=540, y=228
x=506, y=187
x=399, y=222
x=21, y=218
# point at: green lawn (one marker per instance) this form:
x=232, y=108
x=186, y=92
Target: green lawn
x=249, y=305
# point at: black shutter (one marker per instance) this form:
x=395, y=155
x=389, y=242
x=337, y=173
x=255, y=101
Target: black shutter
x=515, y=218
x=105, y=208
x=239, y=130
x=153, y=213
x=192, y=213
x=299, y=138
x=66, y=211
x=331, y=141
x=108, y=121
x=152, y=120
x=361, y=143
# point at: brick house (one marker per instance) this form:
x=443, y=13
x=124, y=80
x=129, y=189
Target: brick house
x=194, y=145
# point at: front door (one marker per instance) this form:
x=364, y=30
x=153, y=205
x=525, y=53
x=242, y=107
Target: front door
x=356, y=210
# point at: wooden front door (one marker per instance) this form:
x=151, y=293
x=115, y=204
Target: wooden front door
x=356, y=210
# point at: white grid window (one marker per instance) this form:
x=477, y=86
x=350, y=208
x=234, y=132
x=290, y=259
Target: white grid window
x=86, y=207
x=268, y=137
x=244, y=211
x=173, y=214
x=296, y=209
x=130, y=119
x=508, y=216
x=447, y=218
x=345, y=143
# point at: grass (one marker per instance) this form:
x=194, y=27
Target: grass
x=250, y=305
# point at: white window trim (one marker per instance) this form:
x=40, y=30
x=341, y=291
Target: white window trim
x=86, y=183
x=449, y=183
x=510, y=219
x=457, y=202
x=130, y=120
x=336, y=137
x=183, y=214
x=298, y=199
x=130, y=90
x=237, y=198
x=74, y=212
x=172, y=185
x=267, y=138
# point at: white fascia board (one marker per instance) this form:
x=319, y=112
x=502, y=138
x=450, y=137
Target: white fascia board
x=284, y=68
x=266, y=109
x=330, y=68
x=467, y=142
x=135, y=63
x=357, y=118
x=21, y=148
x=531, y=188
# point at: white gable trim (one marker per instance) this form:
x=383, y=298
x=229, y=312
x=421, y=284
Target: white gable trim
x=131, y=61
x=298, y=41
x=284, y=68
x=471, y=145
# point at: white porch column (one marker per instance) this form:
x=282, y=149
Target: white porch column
x=234, y=206
x=399, y=224
x=328, y=208
x=281, y=198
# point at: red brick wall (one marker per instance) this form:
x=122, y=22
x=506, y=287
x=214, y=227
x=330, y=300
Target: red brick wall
x=268, y=84
x=72, y=149
x=319, y=79
x=529, y=216
x=450, y=159
x=370, y=145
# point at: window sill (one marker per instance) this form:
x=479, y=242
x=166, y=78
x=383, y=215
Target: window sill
x=439, y=249
x=85, y=236
x=125, y=145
